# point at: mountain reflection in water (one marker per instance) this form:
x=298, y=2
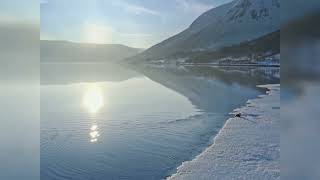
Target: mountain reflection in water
x=157, y=116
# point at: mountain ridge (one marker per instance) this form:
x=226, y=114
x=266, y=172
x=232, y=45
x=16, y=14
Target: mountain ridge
x=67, y=51
x=226, y=25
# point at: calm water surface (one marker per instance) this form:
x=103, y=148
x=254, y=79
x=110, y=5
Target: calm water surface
x=108, y=122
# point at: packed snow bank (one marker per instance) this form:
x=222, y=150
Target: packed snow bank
x=245, y=148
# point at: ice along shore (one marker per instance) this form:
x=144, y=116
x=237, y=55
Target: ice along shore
x=245, y=148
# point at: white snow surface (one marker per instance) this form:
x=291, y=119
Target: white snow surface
x=245, y=148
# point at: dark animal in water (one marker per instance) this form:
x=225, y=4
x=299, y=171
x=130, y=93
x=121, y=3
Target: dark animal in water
x=238, y=115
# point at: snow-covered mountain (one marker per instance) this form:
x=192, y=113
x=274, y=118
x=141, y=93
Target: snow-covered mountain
x=227, y=25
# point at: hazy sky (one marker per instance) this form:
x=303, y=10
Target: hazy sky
x=136, y=23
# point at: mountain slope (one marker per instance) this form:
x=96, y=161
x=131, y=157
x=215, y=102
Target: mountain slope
x=64, y=51
x=226, y=25
x=254, y=51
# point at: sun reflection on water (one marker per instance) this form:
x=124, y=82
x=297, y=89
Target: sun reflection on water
x=93, y=101
x=94, y=133
x=93, y=98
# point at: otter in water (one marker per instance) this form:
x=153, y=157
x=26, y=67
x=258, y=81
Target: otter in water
x=238, y=115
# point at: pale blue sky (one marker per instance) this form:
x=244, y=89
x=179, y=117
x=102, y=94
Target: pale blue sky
x=136, y=23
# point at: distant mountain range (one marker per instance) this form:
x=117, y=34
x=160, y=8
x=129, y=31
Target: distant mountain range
x=64, y=51
x=245, y=29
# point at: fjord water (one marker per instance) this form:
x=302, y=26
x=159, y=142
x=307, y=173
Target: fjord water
x=102, y=121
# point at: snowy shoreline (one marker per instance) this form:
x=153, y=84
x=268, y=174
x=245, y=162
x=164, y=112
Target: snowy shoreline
x=230, y=65
x=245, y=148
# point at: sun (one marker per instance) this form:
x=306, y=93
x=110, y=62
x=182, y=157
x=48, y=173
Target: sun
x=93, y=99
x=97, y=33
